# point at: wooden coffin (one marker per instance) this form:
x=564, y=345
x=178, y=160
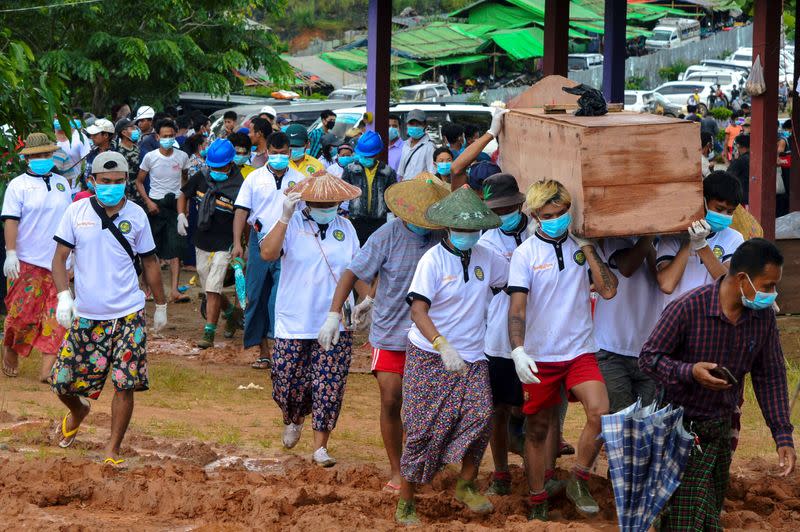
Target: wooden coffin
x=628, y=173
x=789, y=287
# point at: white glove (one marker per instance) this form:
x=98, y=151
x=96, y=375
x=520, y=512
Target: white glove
x=450, y=358
x=160, y=317
x=183, y=224
x=582, y=242
x=65, y=310
x=525, y=366
x=11, y=265
x=497, y=122
x=329, y=333
x=698, y=232
x=289, y=206
x=362, y=314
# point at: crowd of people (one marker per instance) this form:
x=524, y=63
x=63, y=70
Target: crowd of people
x=477, y=296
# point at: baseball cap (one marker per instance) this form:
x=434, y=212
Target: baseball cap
x=268, y=109
x=478, y=172
x=144, y=112
x=101, y=125
x=122, y=124
x=501, y=190
x=298, y=136
x=415, y=114
x=109, y=161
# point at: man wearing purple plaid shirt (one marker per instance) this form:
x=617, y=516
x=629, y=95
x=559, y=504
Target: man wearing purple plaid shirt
x=700, y=351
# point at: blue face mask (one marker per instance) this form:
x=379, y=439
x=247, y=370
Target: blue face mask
x=166, y=143
x=421, y=231
x=218, y=176
x=761, y=300
x=56, y=124
x=203, y=152
x=253, y=149
x=241, y=159
x=443, y=168
x=278, y=161
x=110, y=195
x=298, y=153
x=90, y=186
x=510, y=221
x=718, y=221
x=323, y=216
x=75, y=123
x=393, y=133
x=205, y=133
x=556, y=227
x=464, y=240
x=367, y=162
x=344, y=160
x=40, y=166
x=135, y=134
x=415, y=132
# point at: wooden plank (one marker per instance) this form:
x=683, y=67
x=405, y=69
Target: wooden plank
x=789, y=287
x=623, y=119
x=559, y=108
x=545, y=91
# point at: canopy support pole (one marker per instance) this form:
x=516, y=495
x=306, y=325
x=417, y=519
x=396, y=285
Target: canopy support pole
x=794, y=185
x=614, y=51
x=764, y=117
x=379, y=43
x=556, y=37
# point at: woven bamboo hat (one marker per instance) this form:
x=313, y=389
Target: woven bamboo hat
x=409, y=200
x=462, y=210
x=325, y=188
x=38, y=143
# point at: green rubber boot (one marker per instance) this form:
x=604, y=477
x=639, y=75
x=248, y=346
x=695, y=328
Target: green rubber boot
x=578, y=492
x=208, y=338
x=468, y=495
x=406, y=513
x=538, y=512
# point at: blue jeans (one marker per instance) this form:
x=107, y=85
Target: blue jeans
x=261, y=282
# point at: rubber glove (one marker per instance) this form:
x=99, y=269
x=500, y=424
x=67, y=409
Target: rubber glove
x=362, y=314
x=582, y=242
x=329, y=333
x=65, y=310
x=525, y=366
x=698, y=232
x=450, y=357
x=160, y=317
x=497, y=122
x=11, y=265
x=289, y=206
x=183, y=224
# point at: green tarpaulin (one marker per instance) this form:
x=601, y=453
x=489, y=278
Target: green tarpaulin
x=522, y=43
x=440, y=39
x=499, y=15
x=457, y=60
x=356, y=60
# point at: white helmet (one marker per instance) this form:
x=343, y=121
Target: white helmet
x=144, y=112
x=268, y=109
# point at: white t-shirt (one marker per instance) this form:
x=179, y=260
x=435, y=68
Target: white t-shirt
x=106, y=285
x=497, y=343
x=457, y=308
x=165, y=172
x=723, y=244
x=558, y=316
x=623, y=323
x=335, y=170
x=75, y=149
x=39, y=211
x=261, y=197
x=308, y=281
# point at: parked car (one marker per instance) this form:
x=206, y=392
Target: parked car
x=727, y=80
x=719, y=64
x=744, y=57
x=479, y=115
x=672, y=33
x=678, y=92
x=584, y=61
x=423, y=92
x=637, y=101
x=349, y=92
x=659, y=105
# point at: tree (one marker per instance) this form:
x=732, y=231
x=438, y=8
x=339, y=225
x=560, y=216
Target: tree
x=149, y=51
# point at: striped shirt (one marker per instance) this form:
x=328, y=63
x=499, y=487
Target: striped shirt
x=694, y=329
x=392, y=253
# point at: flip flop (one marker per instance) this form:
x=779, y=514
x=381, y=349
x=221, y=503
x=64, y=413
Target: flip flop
x=262, y=363
x=10, y=372
x=391, y=488
x=68, y=437
x=116, y=464
x=181, y=299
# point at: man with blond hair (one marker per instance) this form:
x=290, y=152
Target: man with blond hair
x=550, y=328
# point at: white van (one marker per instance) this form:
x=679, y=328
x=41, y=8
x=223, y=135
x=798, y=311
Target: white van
x=584, y=61
x=672, y=33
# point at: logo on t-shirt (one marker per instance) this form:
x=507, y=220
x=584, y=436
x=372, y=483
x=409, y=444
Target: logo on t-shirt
x=719, y=251
x=479, y=273
x=579, y=257
x=310, y=169
x=338, y=235
x=60, y=187
x=125, y=227
x=291, y=184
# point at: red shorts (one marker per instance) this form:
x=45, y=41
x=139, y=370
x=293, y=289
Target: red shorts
x=553, y=375
x=388, y=361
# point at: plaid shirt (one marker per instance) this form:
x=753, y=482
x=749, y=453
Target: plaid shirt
x=694, y=329
x=315, y=142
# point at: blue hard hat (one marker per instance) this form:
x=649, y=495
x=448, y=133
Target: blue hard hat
x=220, y=153
x=369, y=144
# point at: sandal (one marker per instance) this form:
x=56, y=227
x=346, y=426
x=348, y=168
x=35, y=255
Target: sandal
x=10, y=372
x=181, y=299
x=565, y=449
x=68, y=437
x=116, y=464
x=262, y=363
x=391, y=488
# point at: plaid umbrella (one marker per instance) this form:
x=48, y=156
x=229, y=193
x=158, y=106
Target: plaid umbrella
x=647, y=450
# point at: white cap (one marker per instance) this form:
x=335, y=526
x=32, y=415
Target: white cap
x=101, y=125
x=144, y=111
x=268, y=109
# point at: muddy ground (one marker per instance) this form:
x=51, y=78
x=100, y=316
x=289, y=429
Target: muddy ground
x=206, y=455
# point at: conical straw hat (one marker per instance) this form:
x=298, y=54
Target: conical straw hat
x=409, y=200
x=462, y=210
x=325, y=188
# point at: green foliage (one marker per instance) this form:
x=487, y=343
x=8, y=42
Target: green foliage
x=150, y=50
x=671, y=72
x=721, y=113
x=635, y=83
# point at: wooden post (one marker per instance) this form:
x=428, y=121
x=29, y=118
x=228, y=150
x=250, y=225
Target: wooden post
x=614, y=51
x=764, y=109
x=794, y=188
x=556, y=37
x=379, y=43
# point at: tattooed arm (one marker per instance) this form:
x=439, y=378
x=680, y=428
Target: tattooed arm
x=516, y=319
x=605, y=282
